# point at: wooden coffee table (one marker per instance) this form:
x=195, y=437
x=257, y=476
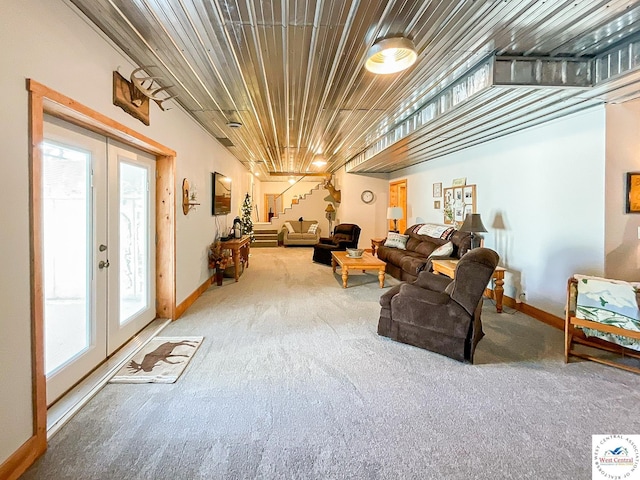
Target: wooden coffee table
x=366, y=262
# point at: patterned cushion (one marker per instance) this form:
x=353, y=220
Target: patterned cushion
x=312, y=228
x=396, y=240
x=443, y=250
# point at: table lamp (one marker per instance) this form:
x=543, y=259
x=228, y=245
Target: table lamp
x=473, y=224
x=394, y=213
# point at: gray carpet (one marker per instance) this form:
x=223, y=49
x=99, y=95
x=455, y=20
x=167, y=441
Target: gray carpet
x=292, y=382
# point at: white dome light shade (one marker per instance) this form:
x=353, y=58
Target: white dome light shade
x=391, y=55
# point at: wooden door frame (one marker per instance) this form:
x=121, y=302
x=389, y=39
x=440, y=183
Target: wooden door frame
x=397, y=183
x=43, y=100
x=275, y=201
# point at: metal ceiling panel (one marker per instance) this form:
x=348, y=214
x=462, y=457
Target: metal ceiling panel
x=291, y=71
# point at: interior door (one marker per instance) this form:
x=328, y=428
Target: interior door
x=74, y=194
x=99, y=250
x=398, y=198
x=131, y=227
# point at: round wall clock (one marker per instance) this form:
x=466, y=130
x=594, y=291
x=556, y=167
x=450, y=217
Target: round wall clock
x=367, y=196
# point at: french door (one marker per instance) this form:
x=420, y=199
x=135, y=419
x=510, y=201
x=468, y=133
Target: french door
x=98, y=254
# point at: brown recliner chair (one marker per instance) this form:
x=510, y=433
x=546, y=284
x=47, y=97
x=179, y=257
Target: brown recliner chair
x=345, y=235
x=440, y=314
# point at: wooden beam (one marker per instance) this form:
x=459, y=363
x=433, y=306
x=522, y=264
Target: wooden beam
x=166, y=239
x=63, y=107
x=299, y=174
x=36, y=136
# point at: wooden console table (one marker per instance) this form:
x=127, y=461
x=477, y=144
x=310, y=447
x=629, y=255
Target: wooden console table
x=239, y=249
x=448, y=268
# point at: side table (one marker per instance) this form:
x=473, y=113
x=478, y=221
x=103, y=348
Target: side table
x=239, y=249
x=375, y=243
x=448, y=268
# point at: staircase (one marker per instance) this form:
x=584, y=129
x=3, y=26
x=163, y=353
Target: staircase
x=265, y=238
x=310, y=205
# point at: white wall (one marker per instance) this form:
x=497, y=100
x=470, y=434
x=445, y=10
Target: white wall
x=622, y=245
x=300, y=189
x=540, y=193
x=371, y=218
x=48, y=41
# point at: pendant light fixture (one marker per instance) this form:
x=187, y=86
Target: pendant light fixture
x=391, y=55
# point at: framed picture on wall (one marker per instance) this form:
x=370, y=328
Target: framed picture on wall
x=436, y=204
x=633, y=193
x=437, y=190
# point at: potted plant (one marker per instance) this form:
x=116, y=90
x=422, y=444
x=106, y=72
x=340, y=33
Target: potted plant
x=218, y=260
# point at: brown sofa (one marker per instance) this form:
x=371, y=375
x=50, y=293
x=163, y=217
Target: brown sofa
x=407, y=264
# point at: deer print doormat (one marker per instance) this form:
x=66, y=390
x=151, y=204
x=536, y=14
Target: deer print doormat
x=162, y=360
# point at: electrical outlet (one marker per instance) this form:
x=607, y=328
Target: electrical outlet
x=522, y=298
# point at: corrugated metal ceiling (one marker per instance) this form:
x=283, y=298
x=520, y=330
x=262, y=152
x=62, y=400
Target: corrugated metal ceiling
x=291, y=71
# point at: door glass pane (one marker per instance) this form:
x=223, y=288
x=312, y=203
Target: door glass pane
x=134, y=252
x=66, y=204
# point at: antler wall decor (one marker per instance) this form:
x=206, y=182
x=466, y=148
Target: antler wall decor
x=133, y=96
x=149, y=87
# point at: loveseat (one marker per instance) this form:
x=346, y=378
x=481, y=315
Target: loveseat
x=408, y=263
x=297, y=232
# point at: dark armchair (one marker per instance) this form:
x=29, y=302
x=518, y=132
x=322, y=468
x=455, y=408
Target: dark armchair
x=440, y=314
x=344, y=236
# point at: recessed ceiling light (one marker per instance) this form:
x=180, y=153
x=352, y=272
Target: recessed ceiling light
x=320, y=163
x=391, y=55
x=292, y=181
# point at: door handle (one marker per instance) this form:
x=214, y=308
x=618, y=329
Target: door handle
x=102, y=264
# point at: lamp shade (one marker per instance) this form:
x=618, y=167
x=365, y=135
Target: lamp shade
x=394, y=213
x=330, y=208
x=472, y=223
x=391, y=55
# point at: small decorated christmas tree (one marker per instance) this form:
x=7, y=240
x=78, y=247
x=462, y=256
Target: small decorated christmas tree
x=247, y=224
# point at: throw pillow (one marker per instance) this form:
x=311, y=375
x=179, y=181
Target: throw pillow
x=289, y=227
x=312, y=228
x=443, y=250
x=396, y=240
